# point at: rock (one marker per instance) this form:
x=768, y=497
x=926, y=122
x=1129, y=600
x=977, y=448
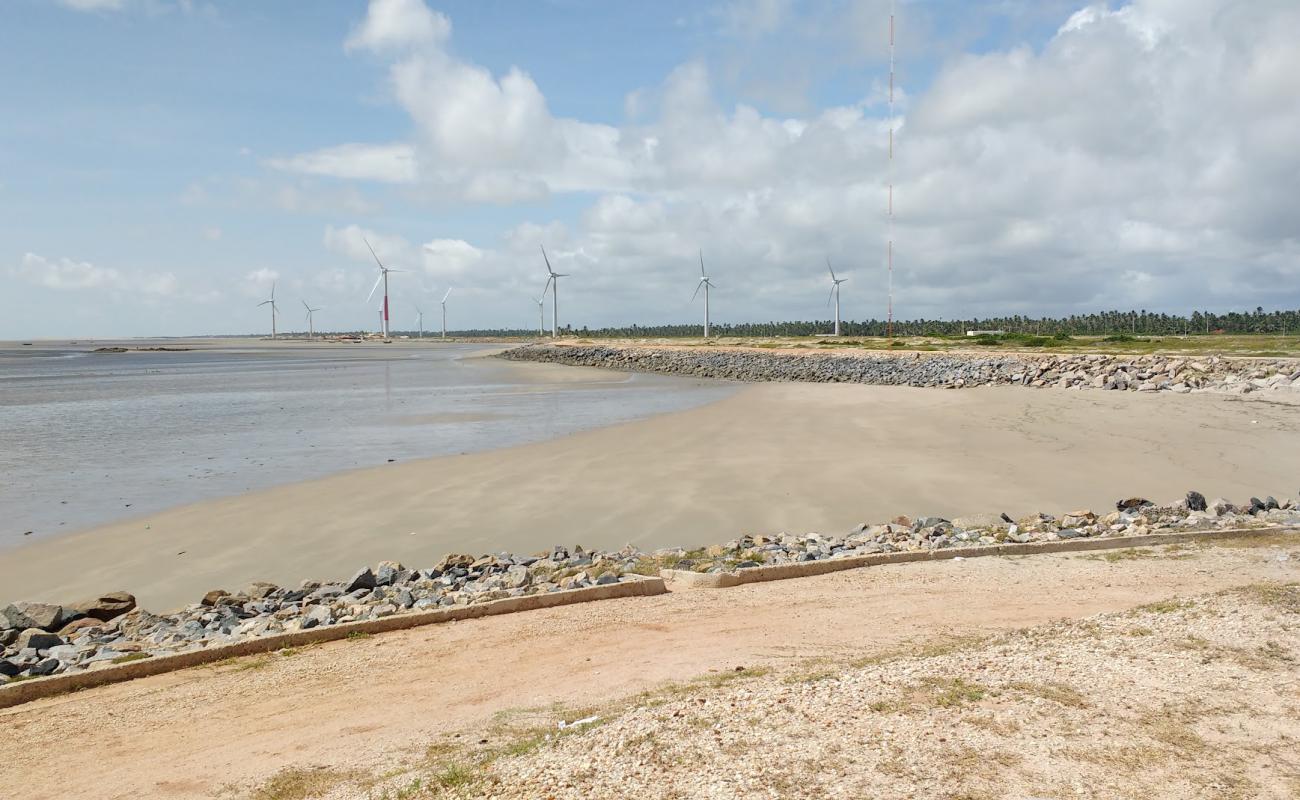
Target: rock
x=1270, y=503
x=1257, y=505
x=107, y=606
x=606, y=578
x=37, y=639
x=317, y=615
x=454, y=561
x=1218, y=507
x=213, y=597
x=1195, y=501
x=387, y=571
x=363, y=579
x=1077, y=519
x=260, y=590
x=517, y=577
x=1132, y=503
x=8, y=669
x=47, y=666
x=46, y=616
x=1007, y=519
x=78, y=625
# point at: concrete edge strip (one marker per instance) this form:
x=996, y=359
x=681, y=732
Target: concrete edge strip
x=36, y=688
x=804, y=569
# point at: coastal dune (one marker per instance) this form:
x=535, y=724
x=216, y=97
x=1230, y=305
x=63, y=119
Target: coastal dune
x=772, y=457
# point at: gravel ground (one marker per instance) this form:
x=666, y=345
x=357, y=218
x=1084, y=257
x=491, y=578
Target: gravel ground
x=1186, y=698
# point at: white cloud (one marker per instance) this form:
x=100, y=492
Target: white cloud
x=392, y=163
x=396, y=24
x=66, y=274
x=94, y=5
x=1141, y=151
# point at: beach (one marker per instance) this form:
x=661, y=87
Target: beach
x=768, y=458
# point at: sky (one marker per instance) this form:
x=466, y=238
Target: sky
x=164, y=162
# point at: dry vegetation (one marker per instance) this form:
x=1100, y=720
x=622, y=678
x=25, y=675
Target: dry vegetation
x=1189, y=697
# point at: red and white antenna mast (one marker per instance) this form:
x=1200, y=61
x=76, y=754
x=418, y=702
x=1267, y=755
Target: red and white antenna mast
x=889, y=180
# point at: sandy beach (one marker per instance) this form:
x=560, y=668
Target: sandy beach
x=773, y=457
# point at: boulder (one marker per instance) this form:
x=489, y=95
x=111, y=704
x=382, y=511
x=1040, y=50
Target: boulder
x=1076, y=519
x=107, y=606
x=1195, y=501
x=260, y=590
x=46, y=616
x=364, y=579
x=47, y=666
x=8, y=669
x=37, y=639
x=517, y=577
x=213, y=596
x=78, y=625
x=387, y=571
x=1218, y=507
x=454, y=561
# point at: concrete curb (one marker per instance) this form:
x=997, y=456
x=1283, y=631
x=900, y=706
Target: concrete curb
x=26, y=691
x=804, y=569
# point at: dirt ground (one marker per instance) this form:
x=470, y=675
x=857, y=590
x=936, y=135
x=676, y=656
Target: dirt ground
x=356, y=718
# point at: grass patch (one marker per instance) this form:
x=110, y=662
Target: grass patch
x=1278, y=596
x=1165, y=606
x=357, y=636
x=1059, y=693
x=301, y=783
x=259, y=662
x=127, y=658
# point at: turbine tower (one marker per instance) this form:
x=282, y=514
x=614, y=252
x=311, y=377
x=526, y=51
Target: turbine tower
x=444, y=312
x=274, y=308
x=554, y=282
x=420, y=320
x=835, y=293
x=706, y=284
x=383, y=278
x=311, y=327
x=889, y=180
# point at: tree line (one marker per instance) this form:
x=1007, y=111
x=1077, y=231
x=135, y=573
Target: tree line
x=1135, y=323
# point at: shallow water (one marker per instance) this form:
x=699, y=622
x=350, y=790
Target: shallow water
x=88, y=438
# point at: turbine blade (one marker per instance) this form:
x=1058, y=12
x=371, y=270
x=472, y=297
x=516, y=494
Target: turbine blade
x=264, y=302
x=828, y=266
x=547, y=260
x=372, y=252
x=375, y=288
x=304, y=305
x=701, y=262
x=445, y=296
x=697, y=291
x=830, y=297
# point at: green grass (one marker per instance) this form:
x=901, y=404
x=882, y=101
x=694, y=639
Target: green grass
x=357, y=636
x=300, y=783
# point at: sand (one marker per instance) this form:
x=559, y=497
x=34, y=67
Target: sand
x=373, y=704
x=773, y=457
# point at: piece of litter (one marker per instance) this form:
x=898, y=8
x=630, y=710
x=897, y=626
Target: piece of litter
x=577, y=722
x=959, y=558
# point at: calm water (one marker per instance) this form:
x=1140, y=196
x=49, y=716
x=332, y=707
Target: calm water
x=88, y=438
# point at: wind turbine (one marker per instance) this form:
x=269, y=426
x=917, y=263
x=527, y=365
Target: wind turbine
x=311, y=328
x=704, y=283
x=444, y=312
x=383, y=278
x=554, y=282
x=835, y=293
x=274, y=308
x=541, y=310
x=420, y=317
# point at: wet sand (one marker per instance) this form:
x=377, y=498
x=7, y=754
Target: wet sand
x=773, y=457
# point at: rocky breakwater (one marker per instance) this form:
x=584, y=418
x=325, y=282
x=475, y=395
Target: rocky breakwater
x=1132, y=517
x=947, y=370
x=42, y=639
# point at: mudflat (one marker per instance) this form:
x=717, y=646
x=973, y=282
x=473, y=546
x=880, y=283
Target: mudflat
x=772, y=457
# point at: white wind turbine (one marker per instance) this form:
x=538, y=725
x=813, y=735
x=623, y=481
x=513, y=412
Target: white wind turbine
x=444, y=312
x=383, y=278
x=704, y=283
x=541, y=310
x=554, y=282
x=419, y=315
x=274, y=308
x=835, y=293
x=311, y=327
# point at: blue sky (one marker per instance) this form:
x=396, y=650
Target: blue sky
x=162, y=162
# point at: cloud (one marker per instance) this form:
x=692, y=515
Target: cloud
x=66, y=274
x=93, y=5
x=397, y=24
x=392, y=163
x=1084, y=171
